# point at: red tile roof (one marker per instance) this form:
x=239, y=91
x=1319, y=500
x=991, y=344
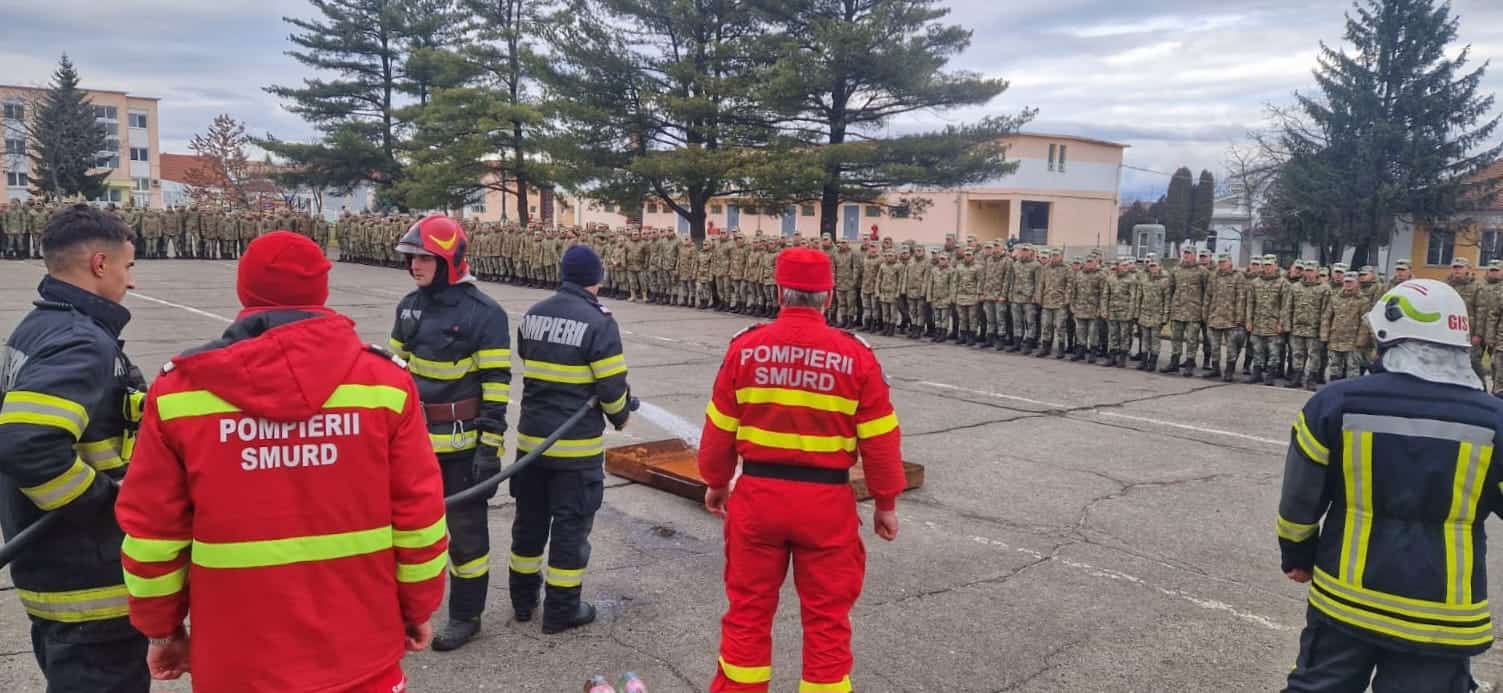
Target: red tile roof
x=175, y=167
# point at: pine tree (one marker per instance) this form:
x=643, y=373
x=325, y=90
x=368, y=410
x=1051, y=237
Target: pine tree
x=1202, y=206
x=1398, y=129
x=65, y=140
x=844, y=69
x=1177, y=205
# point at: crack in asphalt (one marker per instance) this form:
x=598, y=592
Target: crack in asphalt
x=963, y=427
x=670, y=666
x=994, y=580
x=1049, y=665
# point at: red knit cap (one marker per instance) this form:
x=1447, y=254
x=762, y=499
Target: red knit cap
x=804, y=269
x=282, y=268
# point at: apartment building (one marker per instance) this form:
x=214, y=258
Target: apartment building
x=132, y=153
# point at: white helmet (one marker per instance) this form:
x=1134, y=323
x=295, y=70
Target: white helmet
x=1422, y=309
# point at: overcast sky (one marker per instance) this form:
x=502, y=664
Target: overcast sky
x=1178, y=80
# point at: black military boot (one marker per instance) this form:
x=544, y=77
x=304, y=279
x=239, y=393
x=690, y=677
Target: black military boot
x=1253, y=378
x=890, y=330
x=1171, y=367
x=1079, y=354
x=455, y=634
x=1229, y=373
x=1121, y=359
x=1295, y=381
x=1214, y=371
x=999, y=343
x=1138, y=356
x=1061, y=353
x=1269, y=377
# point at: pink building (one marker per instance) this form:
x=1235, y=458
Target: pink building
x=132, y=154
x=1063, y=193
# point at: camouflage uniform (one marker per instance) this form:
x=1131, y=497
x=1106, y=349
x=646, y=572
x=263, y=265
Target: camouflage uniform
x=1054, y=303
x=1152, y=295
x=1226, y=303
x=871, y=309
x=1116, y=309
x=967, y=281
x=940, y=296
x=889, y=281
x=1186, y=312
x=1021, y=282
x=1341, y=330
x=919, y=272
x=1307, y=303
x=1467, y=286
x=1267, y=316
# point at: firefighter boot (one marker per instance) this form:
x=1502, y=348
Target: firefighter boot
x=563, y=610
x=455, y=634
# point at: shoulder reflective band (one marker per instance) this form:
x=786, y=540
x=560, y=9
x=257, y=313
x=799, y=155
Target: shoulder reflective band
x=881, y=425
x=41, y=409
x=558, y=372
x=1308, y=443
x=419, y=538
x=725, y=423
x=563, y=447
x=795, y=441
x=418, y=572
x=489, y=359
x=472, y=568
x=440, y=370
x=499, y=393
x=63, y=488
x=179, y=405
x=565, y=577
x=77, y=606
x=102, y=455
x=796, y=398
x=153, y=550
x=275, y=552
x=160, y=586
x=750, y=675
x=608, y=366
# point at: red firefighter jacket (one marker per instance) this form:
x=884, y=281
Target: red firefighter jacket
x=796, y=391
x=283, y=491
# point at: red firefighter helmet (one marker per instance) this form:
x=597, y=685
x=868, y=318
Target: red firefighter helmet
x=438, y=236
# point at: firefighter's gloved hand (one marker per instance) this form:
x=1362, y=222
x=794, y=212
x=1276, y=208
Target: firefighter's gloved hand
x=619, y=419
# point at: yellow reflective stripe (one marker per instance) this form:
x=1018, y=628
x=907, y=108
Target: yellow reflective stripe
x=1472, y=462
x=419, y=538
x=396, y=345
x=160, y=586
x=178, y=405
x=565, y=577
x=495, y=440
x=1296, y=531
x=63, y=488
x=496, y=392
x=725, y=423
x=440, y=370
x=558, y=372
x=418, y=572
x=841, y=686
x=525, y=565
x=796, y=398
x=563, y=447
x=614, y=406
x=1461, y=636
x=879, y=426
x=492, y=359
x=368, y=397
x=795, y=441
x=746, y=674
x=1308, y=443
x=42, y=409
x=102, y=455
x=1403, y=606
x=608, y=366
x=472, y=569
x=1357, y=468
x=135, y=406
x=453, y=442
x=153, y=550
x=77, y=606
x=275, y=552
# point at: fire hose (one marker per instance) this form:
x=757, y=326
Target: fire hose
x=36, y=530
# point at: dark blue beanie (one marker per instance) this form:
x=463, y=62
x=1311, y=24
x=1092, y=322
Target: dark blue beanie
x=581, y=266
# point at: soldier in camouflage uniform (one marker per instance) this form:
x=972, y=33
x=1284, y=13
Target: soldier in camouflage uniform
x=751, y=276
x=1087, y=293
x=1341, y=330
x=940, y=296
x=686, y=265
x=769, y=286
x=1226, y=307
x=1054, y=304
x=994, y=297
x=1022, y=283
x=1466, y=285
x=737, y=269
x=1267, y=314
x=967, y=297
x=871, y=308
x=920, y=270
x=1152, y=295
x=1186, y=312
x=890, y=280
x=1116, y=310
x=12, y=222
x=704, y=273
x=1307, y=305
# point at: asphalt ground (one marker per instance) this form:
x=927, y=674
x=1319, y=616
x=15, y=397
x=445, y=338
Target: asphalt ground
x=1081, y=528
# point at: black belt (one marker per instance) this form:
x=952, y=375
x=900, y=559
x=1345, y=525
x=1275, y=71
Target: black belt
x=788, y=472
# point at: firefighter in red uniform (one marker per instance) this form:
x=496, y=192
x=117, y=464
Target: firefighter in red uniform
x=797, y=401
x=284, y=491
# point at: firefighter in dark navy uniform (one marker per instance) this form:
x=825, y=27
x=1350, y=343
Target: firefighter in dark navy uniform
x=571, y=350
x=67, y=424
x=457, y=346
x=1387, y=482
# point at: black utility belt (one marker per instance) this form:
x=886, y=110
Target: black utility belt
x=788, y=472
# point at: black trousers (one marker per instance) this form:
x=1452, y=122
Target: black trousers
x=93, y=657
x=469, y=540
x=1332, y=661
x=555, y=510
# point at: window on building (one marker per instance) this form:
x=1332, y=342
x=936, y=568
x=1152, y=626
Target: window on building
x=111, y=145
x=873, y=211
x=141, y=184
x=1440, y=248
x=1492, y=246
x=110, y=195
x=142, y=199
x=106, y=113
x=16, y=179
x=900, y=212
x=14, y=110
x=139, y=154
x=533, y=209
x=15, y=146
x=1062, y=158
x=1034, y=226
x=716, y=209
x=652, y=208
x=109, y=160
x=1052, y=149
x=806, y=210
x=138, y=119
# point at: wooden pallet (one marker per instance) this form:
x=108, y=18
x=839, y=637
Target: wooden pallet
x=673, y=466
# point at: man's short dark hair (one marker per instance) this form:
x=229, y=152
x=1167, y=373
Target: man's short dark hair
x=78, y=226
